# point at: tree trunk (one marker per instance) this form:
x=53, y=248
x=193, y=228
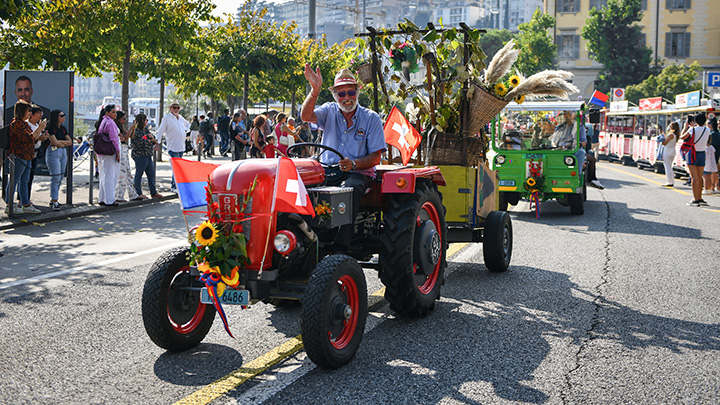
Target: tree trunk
x=161, y=108
x=126, y=82
x=293, y=109
x=246, y=88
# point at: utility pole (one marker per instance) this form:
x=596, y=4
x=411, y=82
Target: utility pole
x=311, y=19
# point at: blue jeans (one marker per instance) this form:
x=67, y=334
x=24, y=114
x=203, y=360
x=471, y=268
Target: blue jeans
x=22, y=177
x=224, y=142
x=144, y=164
x=172, y=155
x=57, y=163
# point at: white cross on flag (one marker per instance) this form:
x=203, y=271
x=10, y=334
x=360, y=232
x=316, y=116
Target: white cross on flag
x=290, y=192
x=400, y=134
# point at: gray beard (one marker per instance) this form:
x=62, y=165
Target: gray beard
x=345, y=109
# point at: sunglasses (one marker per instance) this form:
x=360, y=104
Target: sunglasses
x=61, y=115
x=350, y=93
x=174, y=108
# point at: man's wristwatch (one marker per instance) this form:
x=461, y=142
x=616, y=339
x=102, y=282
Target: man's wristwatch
x=354, y=165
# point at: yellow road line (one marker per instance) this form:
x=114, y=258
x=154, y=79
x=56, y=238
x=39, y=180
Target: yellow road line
x=222, y=386
x=607, y=166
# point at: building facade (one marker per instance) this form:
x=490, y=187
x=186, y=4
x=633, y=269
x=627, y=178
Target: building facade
x=677, y=31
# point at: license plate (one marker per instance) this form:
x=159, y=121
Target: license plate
x=230, y=296
x=506, y=183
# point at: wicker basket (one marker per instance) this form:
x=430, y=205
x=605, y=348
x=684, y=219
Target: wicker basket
x=483, y=107
x=365, y=73
x=447, y=149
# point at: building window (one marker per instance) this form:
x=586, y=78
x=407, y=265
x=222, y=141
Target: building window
x=455, y=18
x=677, y=4
x=456, y=11
x=598, y=4
x=569, y=6
x=677, y=45
x=568, y=46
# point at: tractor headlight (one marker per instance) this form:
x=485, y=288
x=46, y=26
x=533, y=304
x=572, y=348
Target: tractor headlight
x=499, y=159
x=285, y=242
x=570, y=160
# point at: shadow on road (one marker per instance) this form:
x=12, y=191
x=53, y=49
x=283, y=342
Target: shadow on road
x=491, y=333
x=201, y=365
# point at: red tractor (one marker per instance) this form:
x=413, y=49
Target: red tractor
x=401, y=219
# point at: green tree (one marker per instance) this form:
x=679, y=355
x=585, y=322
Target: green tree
x=493, y=41
x=673, y=79
x=10, y=10
x=615, y=39
x=537, y=50
x=60, y=35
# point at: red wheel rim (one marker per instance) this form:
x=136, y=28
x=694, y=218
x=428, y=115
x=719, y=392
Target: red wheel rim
x=426, y=286
x=352, y=298
x=197, y=317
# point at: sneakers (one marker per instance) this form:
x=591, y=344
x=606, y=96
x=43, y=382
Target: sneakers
x=55, y=206
x=17, y=210
x=596, y=184
x=30, y=209
x=668, y=185
x=706, y=192
x=173, y=189
x=697, y=203
x=702, y=202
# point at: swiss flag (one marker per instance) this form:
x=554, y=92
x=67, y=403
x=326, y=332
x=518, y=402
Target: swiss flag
x=400, y=134
x=290, y=192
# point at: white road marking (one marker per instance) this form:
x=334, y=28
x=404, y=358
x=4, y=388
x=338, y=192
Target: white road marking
x=90, y=266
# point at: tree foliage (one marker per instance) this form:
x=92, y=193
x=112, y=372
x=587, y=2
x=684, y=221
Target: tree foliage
x=615, y=39
x=537, y=50
x=672, y=80
x=493, y=40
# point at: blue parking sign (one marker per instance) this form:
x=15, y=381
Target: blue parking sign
x=713, y=79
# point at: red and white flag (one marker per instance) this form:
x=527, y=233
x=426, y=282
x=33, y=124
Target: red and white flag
x=290, y=192
x=400, y=134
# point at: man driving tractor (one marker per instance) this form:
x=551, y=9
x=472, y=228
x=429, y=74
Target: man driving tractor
x=353, y=130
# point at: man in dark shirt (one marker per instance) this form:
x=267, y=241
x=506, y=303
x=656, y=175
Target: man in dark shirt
x=224, y=130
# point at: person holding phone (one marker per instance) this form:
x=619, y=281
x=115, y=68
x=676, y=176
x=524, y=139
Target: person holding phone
x=56, y=154
x=22, y=145
x=36, y=114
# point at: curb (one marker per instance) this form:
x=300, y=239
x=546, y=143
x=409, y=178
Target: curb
x=79, y=210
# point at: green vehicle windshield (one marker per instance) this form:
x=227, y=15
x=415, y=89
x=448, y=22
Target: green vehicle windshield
x=537, y=126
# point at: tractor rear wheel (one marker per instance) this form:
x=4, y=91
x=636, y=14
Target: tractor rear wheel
x=173, y=315
x=412, y=255
x=498, y=241
x=334, y=310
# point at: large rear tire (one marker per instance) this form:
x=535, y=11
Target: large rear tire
x=412, y=255
x=174, y=317
x=498, y=241
x=334, y=310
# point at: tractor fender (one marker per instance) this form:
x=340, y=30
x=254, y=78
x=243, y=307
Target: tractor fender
x=404, y=180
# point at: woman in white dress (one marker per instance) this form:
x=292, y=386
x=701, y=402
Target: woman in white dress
x=670, y=143
x=126, y=178
x=108, y=165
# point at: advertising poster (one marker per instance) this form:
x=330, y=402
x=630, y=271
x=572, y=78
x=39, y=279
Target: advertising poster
x=50, y=90
x=652, y=103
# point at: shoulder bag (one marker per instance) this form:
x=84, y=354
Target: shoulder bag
x=103, y=145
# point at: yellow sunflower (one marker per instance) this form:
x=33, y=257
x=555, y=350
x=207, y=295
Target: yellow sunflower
x=514, y=80
x=206, y=234
x=500, y=89
x=520, y=99
x=530, y=182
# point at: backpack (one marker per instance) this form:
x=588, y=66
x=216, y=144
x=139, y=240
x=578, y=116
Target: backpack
x=5, y=137
x=204, y=126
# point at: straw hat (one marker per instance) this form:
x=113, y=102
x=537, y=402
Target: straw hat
x=343, y=77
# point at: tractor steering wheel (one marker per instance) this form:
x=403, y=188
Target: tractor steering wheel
x=317, y=154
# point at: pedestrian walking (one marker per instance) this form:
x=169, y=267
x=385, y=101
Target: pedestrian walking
x=22, y=145
x=207, y=131
x=125, y=178
x=223, y=128
x=258, y=137
x=696, y=139
x=239, y=136
x=56, y=154
x=194, y=128
x=108, y=165
x=174, y=127
x=142, y=152
x=670, y=144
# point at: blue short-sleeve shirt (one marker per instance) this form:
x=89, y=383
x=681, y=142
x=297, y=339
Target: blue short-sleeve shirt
x=365, y=135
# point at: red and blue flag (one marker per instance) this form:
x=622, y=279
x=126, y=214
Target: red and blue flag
x=191, y=178
x=599, y=99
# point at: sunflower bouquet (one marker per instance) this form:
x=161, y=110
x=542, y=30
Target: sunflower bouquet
x=218, y=245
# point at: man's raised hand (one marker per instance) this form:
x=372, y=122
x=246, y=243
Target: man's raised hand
x=314, y=77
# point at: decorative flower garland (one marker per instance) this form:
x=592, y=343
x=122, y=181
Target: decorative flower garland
x=404, y=53
x=218, y=248
x=324, y=211
x=534, y=184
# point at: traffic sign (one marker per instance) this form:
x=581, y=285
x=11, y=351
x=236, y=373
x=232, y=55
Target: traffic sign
x=713, y=79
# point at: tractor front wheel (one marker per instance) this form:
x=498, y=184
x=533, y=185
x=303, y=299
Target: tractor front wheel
x=173, y=315
x=334, y=310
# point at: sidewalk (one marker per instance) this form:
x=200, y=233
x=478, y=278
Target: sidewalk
x=40, y=195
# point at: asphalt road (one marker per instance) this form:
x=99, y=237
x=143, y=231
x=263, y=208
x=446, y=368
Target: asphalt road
x=617, y=305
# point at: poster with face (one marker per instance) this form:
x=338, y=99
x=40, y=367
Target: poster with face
x=49, y=90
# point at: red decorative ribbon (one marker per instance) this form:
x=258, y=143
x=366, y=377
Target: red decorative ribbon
x=535, y=198
x=211, y=280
